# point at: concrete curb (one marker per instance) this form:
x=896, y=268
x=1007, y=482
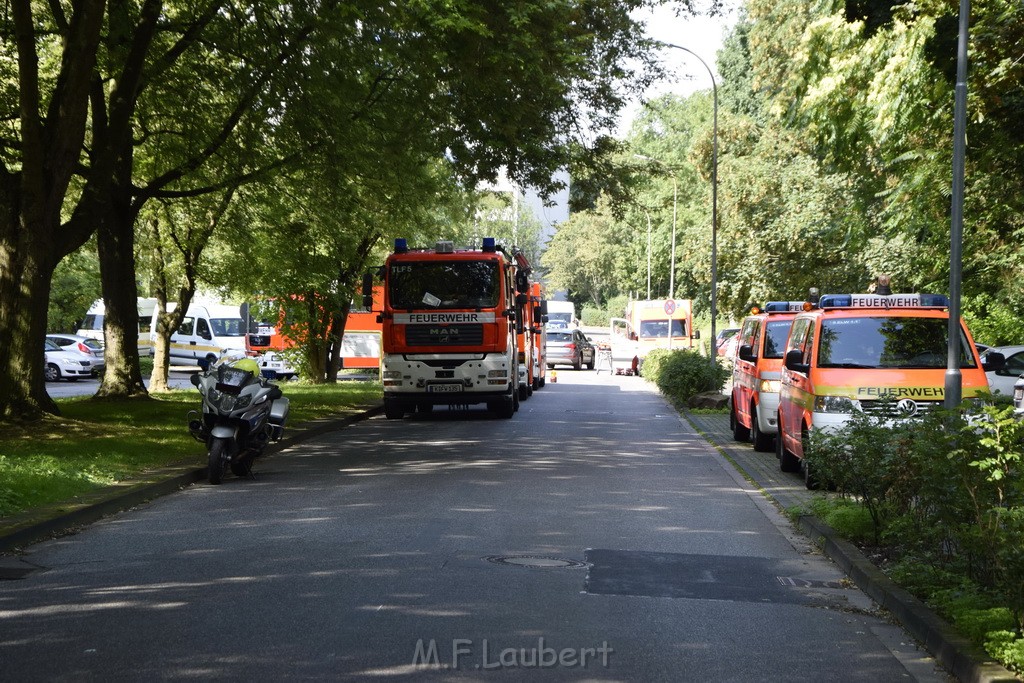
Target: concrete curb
x=950, y=649
x=65, y=517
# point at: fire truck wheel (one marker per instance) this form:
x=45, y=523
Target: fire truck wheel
x=762, y=442
x=739, y=432
x=542, y=382
x=524, y=392
x=515, y=401
x=393, y=409
x=787, y=461
x=503, y=408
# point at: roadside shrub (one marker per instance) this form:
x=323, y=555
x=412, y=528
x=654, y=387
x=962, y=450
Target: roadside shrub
x=680, y=374
x=946, y=490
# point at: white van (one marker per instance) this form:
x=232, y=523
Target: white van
x=207, y=333
x=92, y=324
x=562, y=314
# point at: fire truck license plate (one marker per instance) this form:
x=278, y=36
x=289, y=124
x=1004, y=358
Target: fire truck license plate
x=444, y=388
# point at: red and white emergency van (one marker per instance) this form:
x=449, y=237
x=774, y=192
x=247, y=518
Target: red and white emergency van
x=883, y=354
x=756, y=371
x=449, y=328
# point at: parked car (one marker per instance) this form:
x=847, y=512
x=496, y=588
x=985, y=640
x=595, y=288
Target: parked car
x=569, y=347
x=1018, y=397
x=1003, y=380
x=723, y=347
x=61, y=364
x=93, y=348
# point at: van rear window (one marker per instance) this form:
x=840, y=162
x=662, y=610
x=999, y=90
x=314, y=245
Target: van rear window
x=887, y=342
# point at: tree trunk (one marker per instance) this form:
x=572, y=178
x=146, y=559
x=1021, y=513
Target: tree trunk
x=24, y=296
x=116, y=241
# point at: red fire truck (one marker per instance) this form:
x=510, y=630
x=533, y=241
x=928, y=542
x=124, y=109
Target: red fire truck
x=450, y=321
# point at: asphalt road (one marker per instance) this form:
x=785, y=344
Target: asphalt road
x=177, y=379
x=594, y=536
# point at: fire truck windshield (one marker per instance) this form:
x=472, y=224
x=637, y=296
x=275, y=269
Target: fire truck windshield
x=776, y=333
x=443, y=284
x=887, y=342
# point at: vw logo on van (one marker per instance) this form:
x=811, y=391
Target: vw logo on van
x=907, y=407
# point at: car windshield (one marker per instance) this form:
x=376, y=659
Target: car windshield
x=886, y=342
x=560, y=318
x=776, y=334
x=93, y=344
x=559, y=336
x=659, y=328
x=228, y=327
x=444, y=284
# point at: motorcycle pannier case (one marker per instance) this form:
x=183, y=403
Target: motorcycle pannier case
x=279, y=412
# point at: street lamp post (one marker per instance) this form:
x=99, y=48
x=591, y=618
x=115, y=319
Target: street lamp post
x=714, y=198
x=953, y=389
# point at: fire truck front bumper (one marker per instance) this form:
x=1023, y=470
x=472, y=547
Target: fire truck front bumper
x=448, y=378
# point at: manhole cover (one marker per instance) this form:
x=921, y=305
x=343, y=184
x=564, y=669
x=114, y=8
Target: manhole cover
x=535, y=562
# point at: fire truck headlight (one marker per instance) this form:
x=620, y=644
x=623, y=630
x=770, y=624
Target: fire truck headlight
x=835, y=404
x=498, y=374
x=770, y=386
x=391, y=374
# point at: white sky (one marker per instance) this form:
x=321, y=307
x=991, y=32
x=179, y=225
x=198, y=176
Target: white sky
x=703, y=35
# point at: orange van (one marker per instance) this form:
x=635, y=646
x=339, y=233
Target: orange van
x=756, y=370
x=881, y=354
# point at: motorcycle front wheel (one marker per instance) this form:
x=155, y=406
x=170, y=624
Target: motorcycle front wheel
x=215, y=461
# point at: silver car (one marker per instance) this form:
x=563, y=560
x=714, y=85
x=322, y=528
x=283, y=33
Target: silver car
x=61, y=364
x=569, y=347
x=91, y=348
x=1002, y=381
x=1018, y=397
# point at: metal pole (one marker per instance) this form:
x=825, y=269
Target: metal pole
x=712, y=352
x=672, y=271
x=953, y=389
x=648, y=255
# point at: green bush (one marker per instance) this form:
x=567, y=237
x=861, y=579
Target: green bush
x=946, y=493
x=681, y=374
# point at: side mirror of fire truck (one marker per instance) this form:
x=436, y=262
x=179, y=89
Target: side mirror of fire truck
x=747, y=353
x=522, y=299
x=367, y=291
x=696, y=334
x=538, y=316
x=794, y=361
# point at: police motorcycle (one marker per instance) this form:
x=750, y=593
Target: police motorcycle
x=241, y=413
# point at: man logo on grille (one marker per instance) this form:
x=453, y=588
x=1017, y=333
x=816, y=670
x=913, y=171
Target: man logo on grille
x=907, y=407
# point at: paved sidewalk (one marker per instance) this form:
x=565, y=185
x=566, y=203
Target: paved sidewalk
x=785, y=488
x=953, y=651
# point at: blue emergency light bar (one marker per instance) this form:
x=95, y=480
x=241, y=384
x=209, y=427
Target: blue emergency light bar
x=884, y=301
x=489, y=244
x=401, y=245
x=784, y=306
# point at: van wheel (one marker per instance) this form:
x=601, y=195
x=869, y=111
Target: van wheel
x=739, y=432
x=762, y=442
x=787, y=461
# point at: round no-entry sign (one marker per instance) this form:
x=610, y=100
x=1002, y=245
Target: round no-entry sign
x=670, y=306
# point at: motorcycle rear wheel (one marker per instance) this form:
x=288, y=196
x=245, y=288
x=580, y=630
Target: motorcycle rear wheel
x=215, y=461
